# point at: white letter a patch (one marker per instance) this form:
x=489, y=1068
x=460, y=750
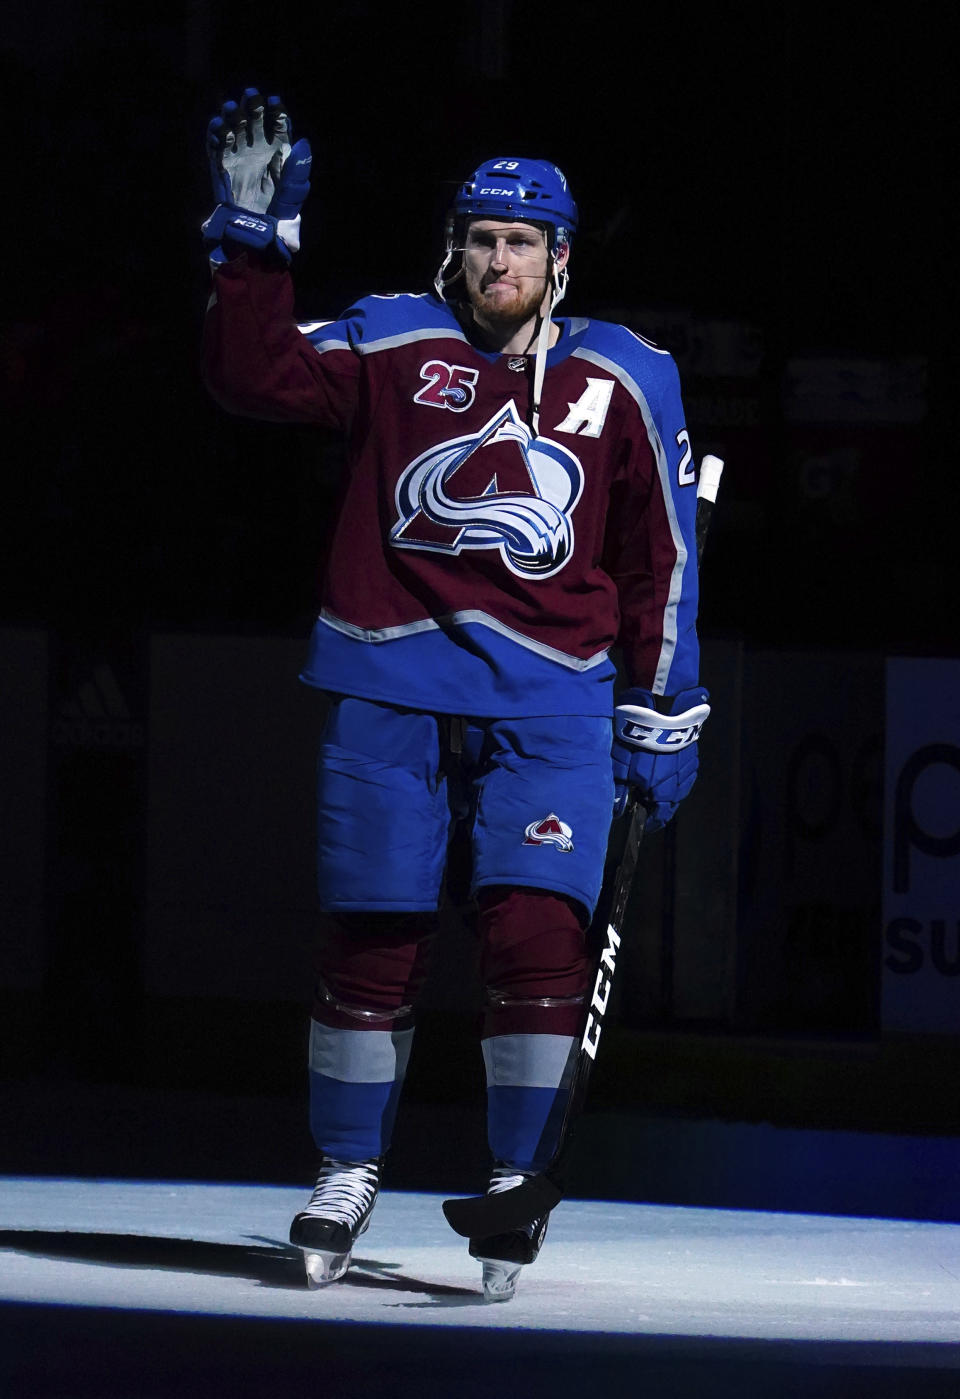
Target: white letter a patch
x=588, y=415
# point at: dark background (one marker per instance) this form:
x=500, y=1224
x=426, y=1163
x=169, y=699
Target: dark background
x=771, y=164
x=784, y=167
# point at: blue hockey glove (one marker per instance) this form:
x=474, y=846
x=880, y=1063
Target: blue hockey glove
x=259, y=180
x=657, y=753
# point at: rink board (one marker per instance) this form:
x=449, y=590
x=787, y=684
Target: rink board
x=166, y=1287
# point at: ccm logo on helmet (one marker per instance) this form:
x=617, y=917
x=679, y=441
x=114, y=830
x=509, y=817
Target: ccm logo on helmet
x=496, y=191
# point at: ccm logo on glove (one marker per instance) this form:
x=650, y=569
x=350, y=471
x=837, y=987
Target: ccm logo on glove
x=257, y=224
x=658, y=737
x=655, y=754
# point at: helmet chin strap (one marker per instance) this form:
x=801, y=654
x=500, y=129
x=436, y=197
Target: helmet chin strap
x=558, y=280
x=439, y=283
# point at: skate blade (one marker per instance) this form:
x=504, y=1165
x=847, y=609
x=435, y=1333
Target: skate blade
x=324, y=1267
x=499, y=1279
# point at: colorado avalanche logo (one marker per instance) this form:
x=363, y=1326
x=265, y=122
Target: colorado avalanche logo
x=550, y=831
x=498, y=488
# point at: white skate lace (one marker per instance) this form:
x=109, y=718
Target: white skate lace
x=344, y=1191
x=505, y=1178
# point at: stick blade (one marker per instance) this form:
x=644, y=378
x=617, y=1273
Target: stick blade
x=478, y=1216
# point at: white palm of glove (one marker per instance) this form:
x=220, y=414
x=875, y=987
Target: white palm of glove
x=252, y=163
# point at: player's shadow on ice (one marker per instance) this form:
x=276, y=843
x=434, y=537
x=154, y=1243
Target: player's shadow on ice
x=272, y=1265
x=268, y=1262
x=367, y=1272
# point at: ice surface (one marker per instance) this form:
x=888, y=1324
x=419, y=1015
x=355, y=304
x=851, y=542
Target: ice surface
x=637, y=1269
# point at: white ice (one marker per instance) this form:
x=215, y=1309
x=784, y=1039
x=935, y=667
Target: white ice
x=637, y=1269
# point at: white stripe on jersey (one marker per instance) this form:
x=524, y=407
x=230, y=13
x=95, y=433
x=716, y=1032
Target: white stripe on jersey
x=460, y=619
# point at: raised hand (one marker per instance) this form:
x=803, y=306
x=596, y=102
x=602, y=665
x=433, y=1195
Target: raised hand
x=247, y=145
x=259, y=179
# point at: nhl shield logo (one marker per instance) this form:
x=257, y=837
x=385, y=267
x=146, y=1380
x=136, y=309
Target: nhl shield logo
x=550, y=831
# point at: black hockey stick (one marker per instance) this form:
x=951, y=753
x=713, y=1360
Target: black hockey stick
x=479, y=1216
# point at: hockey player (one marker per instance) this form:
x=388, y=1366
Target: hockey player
x=519, y=497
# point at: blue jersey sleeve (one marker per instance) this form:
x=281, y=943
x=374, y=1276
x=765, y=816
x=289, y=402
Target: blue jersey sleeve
x=651, y=539
x=679, y=662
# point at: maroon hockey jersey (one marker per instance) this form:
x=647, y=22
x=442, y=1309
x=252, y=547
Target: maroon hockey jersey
x=477, y=567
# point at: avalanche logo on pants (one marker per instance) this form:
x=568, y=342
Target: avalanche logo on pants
x=499, y=488
x=550, y=831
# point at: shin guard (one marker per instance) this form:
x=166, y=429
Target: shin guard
x=536, y=972
x=370, y=968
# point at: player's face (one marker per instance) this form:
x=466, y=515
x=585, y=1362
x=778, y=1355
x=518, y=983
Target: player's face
x=506, y=267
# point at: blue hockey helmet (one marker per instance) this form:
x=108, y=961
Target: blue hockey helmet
x=531, y=190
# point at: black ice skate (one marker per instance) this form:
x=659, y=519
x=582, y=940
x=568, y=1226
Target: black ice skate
x=503, y=1255
x=337, y=1214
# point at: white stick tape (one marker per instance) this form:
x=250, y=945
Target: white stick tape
x=711, y=469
